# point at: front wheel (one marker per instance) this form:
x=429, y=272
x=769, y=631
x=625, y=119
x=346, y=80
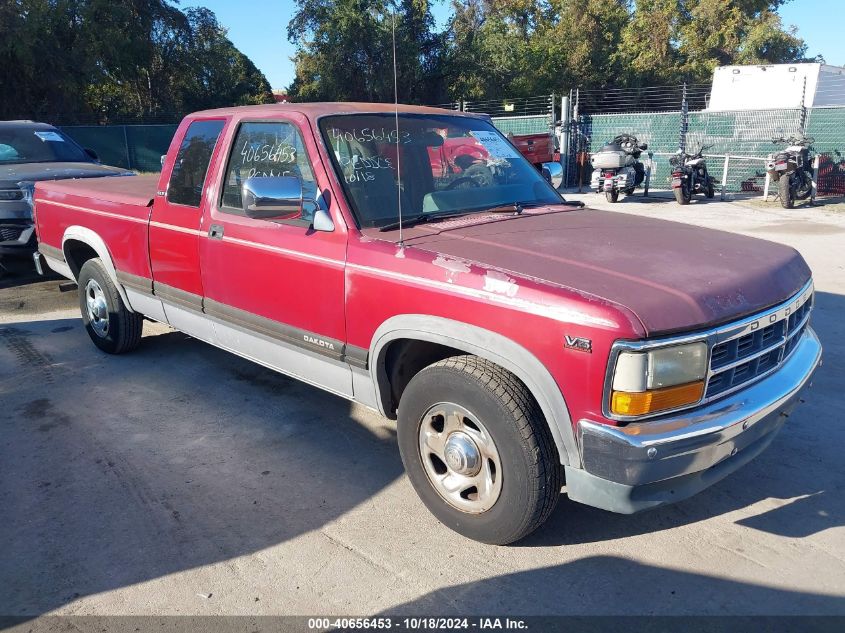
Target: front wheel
x=612, y=195
x=710, y=192
x=109, y=323
x=785, y=192
x=477, y=450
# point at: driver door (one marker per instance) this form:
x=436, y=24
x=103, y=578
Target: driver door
x=275, y=288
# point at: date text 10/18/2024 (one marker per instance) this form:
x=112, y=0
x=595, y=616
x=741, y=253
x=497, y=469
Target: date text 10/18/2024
x=416, y=623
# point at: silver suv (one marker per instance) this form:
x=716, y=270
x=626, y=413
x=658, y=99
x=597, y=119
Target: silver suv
x=30, y=152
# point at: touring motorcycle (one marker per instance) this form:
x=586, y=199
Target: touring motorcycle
x=617, y=167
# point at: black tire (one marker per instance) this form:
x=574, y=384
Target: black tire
x=683, y=195
x=612, y=195
x=530, y=468
x=785, y=192
x=123, y=328
x=803, y=192
x=710, y=192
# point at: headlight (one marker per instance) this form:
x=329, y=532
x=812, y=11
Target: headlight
x=659, y=379
x=28, y=190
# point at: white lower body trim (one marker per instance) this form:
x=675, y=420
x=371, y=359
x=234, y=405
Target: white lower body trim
x=326, y=373
x=59, y=266
x=309, y=367
x=146, y=304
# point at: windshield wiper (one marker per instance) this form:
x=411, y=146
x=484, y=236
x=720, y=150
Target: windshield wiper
x=420, y=219
x=512, y=207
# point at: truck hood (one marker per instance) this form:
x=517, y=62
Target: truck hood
x=11, y=175
x=674, y=277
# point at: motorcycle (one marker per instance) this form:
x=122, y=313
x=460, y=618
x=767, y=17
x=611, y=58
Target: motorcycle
x=617, y=167
x=689, y=175
x=792, y=169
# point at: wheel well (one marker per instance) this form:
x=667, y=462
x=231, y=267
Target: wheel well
x=76, y=254
x=403, y=359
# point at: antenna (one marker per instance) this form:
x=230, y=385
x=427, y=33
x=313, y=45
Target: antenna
x=396, y=113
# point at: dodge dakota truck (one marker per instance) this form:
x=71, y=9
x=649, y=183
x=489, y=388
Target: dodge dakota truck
x=521, y=343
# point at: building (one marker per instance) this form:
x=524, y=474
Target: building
x=777, y=86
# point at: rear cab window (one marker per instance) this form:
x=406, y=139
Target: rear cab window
x=268, y=149
x=187, y=180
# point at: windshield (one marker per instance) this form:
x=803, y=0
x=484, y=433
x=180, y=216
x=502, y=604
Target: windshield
x=448, y=164
x=20, y=144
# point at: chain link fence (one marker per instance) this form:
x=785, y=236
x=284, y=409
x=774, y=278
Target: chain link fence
x=827, y=127
x=743, y=135
x=524, y=115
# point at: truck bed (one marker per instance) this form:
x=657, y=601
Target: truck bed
x=131, y=190
x=115, y=209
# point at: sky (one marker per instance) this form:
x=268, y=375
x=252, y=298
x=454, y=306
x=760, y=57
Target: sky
x=259, y=29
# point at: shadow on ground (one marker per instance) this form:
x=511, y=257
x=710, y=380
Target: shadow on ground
x=610, y=585
x=121, y=469
x=117, y=470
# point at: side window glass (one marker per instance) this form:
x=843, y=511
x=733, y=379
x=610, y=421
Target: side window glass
x=267, y=149
x=188, y=176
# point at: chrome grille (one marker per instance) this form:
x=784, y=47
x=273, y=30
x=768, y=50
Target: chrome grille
x=758, y=346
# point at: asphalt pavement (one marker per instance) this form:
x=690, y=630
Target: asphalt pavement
x=180, y=479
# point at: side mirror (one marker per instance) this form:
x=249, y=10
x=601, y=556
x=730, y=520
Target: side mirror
x=644, y=146
x=92, y=154
x=553, y=173
x=272, y=197
x=163, y=158
x=322, y=221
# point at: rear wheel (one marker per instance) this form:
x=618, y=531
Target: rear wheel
x=785, y=192
x=612, y=195
x=110, y=324
x=477, y=450
x=683, y=195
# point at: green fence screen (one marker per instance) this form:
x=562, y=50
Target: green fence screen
x=138, y=147
x=517, y=125
x=827, y=127
x=745, y=135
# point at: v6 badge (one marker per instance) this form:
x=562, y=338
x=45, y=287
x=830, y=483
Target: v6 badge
x=578, y=343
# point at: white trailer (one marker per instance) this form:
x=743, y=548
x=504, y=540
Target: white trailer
x=777, y=86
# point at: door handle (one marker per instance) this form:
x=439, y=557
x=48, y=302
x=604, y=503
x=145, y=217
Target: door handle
x=215, y=231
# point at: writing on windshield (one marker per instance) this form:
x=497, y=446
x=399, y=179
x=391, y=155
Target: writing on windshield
x=448, y=163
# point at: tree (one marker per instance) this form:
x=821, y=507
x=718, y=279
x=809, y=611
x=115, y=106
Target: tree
x=104, y=60
x=647, y=52
x=723, y=32
x=221, y=74
x=346, y=50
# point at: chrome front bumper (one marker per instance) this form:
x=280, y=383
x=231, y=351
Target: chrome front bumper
x=647, y=464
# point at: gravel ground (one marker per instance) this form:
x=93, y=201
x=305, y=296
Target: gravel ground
x=183, y=480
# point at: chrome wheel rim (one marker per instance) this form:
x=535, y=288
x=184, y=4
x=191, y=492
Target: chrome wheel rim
x=98, y=309
x=460, y=458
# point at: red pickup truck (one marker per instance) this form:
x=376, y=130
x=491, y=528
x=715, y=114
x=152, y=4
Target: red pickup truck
x=522, y=343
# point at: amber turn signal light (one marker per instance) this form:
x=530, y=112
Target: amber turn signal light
x=644, y=402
